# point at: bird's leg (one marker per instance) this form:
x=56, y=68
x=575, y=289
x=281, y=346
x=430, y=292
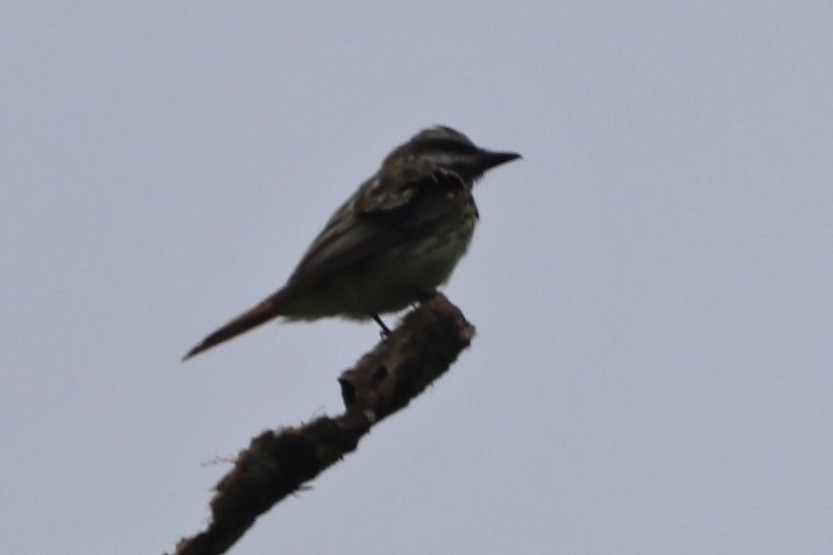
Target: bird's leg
x=385, y=333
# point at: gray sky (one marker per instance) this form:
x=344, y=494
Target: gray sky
x=651, y=285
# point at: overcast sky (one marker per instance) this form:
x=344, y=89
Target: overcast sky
x=653, y=370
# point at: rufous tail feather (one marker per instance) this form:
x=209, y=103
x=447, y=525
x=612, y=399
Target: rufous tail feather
x=261, y=313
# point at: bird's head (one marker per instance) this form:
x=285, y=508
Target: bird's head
x=449, y=149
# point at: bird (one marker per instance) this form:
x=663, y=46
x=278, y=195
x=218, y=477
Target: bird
x=391, y=244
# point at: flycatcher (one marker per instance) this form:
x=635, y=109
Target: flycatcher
x=391, y=244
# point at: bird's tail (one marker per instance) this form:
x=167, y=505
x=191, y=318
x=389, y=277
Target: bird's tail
x=255, y=316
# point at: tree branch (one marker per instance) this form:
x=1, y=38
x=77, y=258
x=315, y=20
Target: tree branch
x=278, y=462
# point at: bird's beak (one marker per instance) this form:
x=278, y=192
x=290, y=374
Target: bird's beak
x=489, y=159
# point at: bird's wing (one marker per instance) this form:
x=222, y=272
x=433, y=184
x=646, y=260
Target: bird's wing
x=384, y=212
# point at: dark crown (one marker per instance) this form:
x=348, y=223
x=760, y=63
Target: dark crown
x=448, y=148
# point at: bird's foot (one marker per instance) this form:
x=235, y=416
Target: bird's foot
x=422, y=296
